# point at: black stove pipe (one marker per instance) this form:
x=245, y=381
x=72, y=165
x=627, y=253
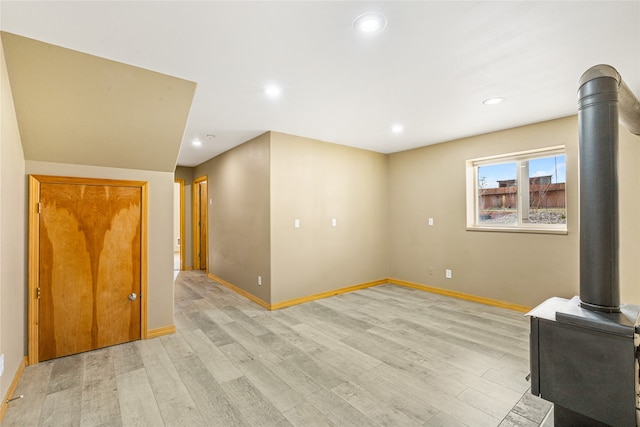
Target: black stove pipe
x=604, y=99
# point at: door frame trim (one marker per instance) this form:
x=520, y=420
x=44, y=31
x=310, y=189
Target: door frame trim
x=34, y=253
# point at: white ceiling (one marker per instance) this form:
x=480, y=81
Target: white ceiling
x=429, y=70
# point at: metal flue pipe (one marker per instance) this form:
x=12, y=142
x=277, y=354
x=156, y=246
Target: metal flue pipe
x=604, y=100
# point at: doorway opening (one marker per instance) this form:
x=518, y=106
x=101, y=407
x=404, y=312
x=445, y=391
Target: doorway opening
x=200, y=215
x=178, y=226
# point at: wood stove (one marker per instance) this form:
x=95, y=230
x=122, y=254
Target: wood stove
x=585, y=351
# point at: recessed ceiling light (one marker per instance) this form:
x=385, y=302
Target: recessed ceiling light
x=371, y=22
x=196, y=143
x=493, y=101
x=397, y=128
x=273, y=91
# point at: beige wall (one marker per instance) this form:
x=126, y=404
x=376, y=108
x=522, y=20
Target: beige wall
x=13, y=237
x=315, y=182
x=513, y=267
x=629, y=193
x=238, y=185
x=259, y=188
x=183, y=172
x=382, y=204
x=160, y=194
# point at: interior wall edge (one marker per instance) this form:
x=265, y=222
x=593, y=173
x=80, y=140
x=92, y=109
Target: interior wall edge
x=12, y=388
x=391, y=281
x=13, y=234
x=239, y=291
x=462, y=295
x=159, y=332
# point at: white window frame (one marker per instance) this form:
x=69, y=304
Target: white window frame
x=520, y=158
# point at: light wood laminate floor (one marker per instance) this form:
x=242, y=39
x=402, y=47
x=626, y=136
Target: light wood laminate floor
x=382, y=356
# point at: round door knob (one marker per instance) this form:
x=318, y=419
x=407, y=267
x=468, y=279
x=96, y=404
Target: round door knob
x=132, y=296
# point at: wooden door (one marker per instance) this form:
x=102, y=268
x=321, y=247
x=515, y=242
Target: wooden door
x=203, y=224
x=89, y=267
x=200, y=227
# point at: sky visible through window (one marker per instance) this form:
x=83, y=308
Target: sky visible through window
x=489, y=175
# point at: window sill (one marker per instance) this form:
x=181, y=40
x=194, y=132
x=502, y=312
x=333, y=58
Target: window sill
x=561, y=231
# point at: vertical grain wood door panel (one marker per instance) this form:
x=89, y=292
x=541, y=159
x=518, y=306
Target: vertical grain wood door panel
x=90, y=262
x=203, y=224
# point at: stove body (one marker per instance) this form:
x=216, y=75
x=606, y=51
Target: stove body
x=586, y=363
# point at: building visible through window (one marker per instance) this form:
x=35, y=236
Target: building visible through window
x=524, y=190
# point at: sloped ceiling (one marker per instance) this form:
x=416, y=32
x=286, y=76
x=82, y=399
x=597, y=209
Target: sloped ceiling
x=77, y=108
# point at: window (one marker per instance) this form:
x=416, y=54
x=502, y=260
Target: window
x=523, y=191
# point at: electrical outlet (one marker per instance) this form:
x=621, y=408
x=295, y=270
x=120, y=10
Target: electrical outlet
x=296, y=223
x=447, y=274
x=430, y=221
x=259, y=280
x=430, y=270
x=1, y=364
